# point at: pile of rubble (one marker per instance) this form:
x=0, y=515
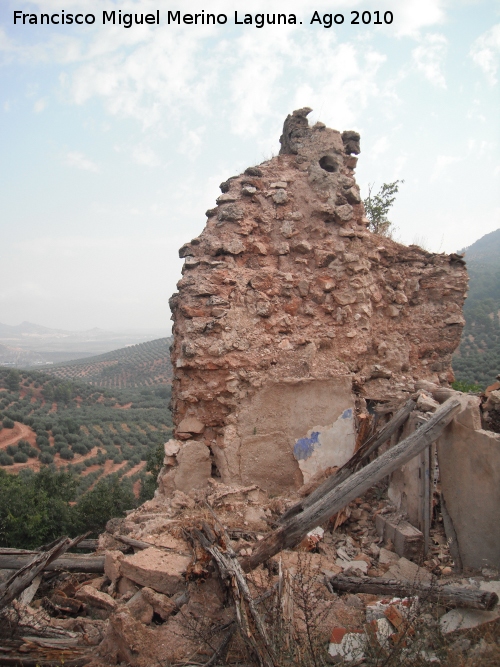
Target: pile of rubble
x=173, y=587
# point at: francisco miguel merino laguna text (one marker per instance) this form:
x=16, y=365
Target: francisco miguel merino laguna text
x=258, y=20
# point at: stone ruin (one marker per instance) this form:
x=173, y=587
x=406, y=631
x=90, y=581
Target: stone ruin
x=293, y=323
x=292, y=319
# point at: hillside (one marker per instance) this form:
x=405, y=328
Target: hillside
x=135, y=366
x=478, y=358
x=76, y=427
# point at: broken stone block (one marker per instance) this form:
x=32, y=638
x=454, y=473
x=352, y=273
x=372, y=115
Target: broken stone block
x=191, y=425
x=426, y=403
x=172, y=447
x=95, y=598
x=162, y=571
x=126, y=587
x=387, y=557
x=408, y=541
x=194, y=466
x=112, y=565
x=405, y=570
x=140, y=608
x=161, y=604
x=464, y=619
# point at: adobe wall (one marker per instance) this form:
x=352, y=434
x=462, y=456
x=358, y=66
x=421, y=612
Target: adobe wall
x=290, y=314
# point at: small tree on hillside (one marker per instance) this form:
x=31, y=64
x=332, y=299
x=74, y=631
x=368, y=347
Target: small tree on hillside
x=12, y=380
x=377, y=207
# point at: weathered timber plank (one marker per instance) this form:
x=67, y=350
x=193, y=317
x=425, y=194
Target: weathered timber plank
x=73, y=563
x=449, y=596
x=32, y=566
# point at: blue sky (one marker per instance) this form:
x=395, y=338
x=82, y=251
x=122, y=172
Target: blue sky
x=113, y=141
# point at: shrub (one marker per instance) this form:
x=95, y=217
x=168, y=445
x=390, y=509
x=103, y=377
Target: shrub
x=46, y=458
x=42, y=441
x=66, y=454
x=24, y=446
x=5, y=459
x=20, y=457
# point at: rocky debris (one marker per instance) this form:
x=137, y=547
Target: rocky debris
x=141, y=624
x=291, y=315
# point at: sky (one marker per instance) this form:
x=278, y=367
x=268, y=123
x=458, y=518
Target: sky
x=113, y=141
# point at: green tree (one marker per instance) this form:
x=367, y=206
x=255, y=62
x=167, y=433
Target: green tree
x=109, y=498
x=12, y=380
x=377, y=207
x=34, y=507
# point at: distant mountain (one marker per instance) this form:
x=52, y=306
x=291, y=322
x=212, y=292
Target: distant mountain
x=485, y=252
x=30, y=329
x=135, y=366
x=42, y=345
x=478, y=358
x=8, y=330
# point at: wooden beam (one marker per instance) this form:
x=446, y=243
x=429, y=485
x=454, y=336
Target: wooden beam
x=32, y=566
x=69, y=563
x=449, y=596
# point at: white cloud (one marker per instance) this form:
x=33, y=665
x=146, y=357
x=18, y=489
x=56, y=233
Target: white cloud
x=40, y=105
x=78, y=160
x=441, y=165
x=379, y=147
x=485, y=52
x=428, y=58
x=191, y=142
x=145, y=155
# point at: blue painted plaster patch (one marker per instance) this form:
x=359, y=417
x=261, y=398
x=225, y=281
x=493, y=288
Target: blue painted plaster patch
x=304, y=447
x=347, y=414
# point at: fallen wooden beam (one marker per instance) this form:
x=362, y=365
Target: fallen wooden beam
x=355, y=462
x=91, y=545
x=31, y=567
x=448, y=596
x=295, y=529
x=70, y=563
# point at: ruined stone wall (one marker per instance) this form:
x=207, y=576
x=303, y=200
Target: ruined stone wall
x=290, y=314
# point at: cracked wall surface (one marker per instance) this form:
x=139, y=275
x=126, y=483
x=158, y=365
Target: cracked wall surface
x=291, y=314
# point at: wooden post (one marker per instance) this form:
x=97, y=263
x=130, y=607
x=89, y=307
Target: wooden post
x=296, y=528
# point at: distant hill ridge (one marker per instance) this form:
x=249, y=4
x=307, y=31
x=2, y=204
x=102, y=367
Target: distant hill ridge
x=135, y=366
x=477, y=360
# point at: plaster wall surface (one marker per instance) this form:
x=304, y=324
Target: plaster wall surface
x=469, y=463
